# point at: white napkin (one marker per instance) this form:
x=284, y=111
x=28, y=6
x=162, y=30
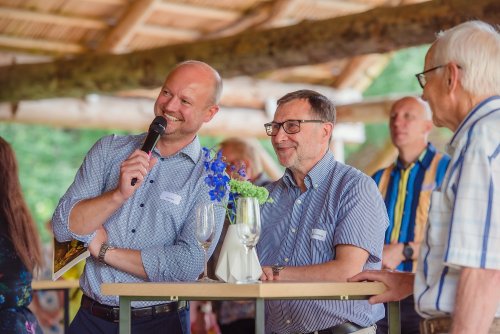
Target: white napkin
x=232, y=264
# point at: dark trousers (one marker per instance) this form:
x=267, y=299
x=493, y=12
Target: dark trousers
x=241, y=326
x=171, y=323
x=410, y=320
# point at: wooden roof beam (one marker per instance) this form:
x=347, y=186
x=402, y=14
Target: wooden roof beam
x=30, y=44
x=249, y=53
x=200, y=11
x=72, y=21
x=118, y=38
x=344, y=6
x=167, y=32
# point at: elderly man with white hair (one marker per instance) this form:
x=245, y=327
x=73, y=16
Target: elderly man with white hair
x=456, y=287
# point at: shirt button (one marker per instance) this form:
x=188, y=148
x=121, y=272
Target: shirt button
x=293, y=230
x=133, y=230
x=287, y=259
x=299, y=201
x=151, y=181
x=316, y=186
x=142, y=205
x=288, y=321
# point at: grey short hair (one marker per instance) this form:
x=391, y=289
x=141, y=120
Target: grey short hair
x=475, y=47
x=321, y=106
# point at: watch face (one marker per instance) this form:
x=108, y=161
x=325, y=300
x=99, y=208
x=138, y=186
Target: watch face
x=408, y=252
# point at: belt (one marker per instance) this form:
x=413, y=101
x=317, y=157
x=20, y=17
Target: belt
x=345, y=328
x=442, y=324
x=112, y=313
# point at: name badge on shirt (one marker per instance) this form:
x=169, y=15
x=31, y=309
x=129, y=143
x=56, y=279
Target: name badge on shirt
x=170, y=197
x=318, y=234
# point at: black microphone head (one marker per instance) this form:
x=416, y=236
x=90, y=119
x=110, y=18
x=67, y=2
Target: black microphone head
x=158, y=125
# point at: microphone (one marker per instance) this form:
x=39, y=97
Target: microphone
x=156, y=129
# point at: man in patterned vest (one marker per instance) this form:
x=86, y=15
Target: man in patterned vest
x=406, y=186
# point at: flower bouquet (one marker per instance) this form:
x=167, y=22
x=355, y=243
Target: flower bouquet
x=230, y=266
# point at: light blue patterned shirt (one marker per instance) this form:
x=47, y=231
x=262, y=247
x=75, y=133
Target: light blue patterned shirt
x=158, y=219
x=464, y=219
x=340, y=206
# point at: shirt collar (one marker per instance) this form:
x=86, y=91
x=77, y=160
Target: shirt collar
x=191, y=150
x=483, y=108
x=317, y=174
x=425, y=158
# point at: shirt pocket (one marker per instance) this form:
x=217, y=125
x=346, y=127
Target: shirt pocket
x=439, y=220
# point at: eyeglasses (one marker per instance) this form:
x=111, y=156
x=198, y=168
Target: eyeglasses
x=291, y=126
x=421, y=76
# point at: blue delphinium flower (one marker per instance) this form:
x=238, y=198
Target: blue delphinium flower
x=220, y=183
x=216, y=178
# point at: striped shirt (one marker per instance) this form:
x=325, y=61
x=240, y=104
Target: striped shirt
x=341, y=205
x=464, y=219
x=407, y=195
x=157, y=219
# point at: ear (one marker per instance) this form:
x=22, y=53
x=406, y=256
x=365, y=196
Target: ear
x=328, y=129
x=428, y=126
x=211, y=113
x=453, y=73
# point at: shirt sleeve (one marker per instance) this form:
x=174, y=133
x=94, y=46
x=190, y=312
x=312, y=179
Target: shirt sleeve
x=362, y=218
x=88, y=183
x=184, y=260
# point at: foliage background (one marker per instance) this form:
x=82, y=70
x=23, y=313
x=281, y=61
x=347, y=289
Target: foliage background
x=49, y=157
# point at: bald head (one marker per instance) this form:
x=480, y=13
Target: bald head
x=216, y=81
x=410, y=123
x=242, y=152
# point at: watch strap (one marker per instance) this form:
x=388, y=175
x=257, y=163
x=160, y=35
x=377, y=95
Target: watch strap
x=407, y=251
x=102, y=252
x=277, y=269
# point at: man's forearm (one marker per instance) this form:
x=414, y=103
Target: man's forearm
x=329, y=271
x=90, y=214
x=348, y=262
x=477, y=300
x=127, y=260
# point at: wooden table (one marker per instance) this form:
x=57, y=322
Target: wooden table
x=128, y=292
x=64, y=285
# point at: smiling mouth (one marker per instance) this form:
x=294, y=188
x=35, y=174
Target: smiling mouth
x=171, y=118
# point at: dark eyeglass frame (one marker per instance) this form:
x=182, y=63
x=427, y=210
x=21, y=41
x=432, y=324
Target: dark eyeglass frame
x=272, y=125
x=422, y=81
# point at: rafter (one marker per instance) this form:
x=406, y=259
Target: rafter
x=120, y=35
x=32, y=16
x=200, y=11
x=167, y=32
x=30, y=44
x=249, y=53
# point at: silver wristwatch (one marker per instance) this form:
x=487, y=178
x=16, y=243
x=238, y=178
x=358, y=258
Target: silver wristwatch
x=102, y=252
x=277, y=269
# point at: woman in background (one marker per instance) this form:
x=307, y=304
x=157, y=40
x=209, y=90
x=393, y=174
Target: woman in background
x=20, y=253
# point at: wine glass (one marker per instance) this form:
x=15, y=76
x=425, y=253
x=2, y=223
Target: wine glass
x=205, y=231
x=248, y=229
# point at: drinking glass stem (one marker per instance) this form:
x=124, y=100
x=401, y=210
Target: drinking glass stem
x=249, y=262
x=206, y=260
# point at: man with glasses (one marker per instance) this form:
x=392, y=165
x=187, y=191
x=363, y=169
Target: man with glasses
x=326, y=222
x=456, y=286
